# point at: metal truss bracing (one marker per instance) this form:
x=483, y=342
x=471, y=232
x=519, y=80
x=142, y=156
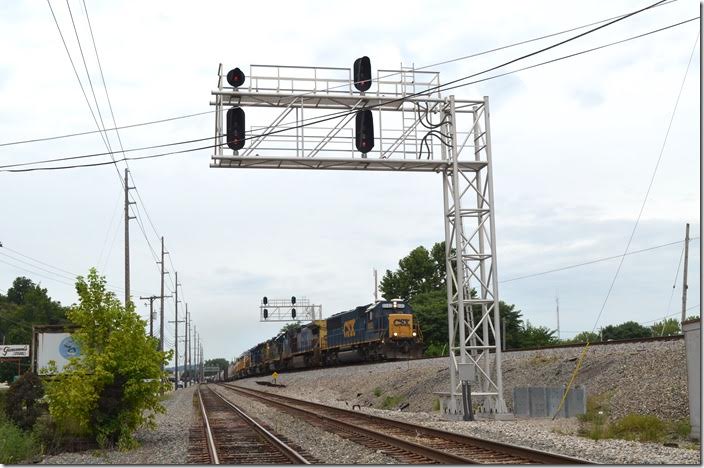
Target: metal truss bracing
x=282, y=310
x=311, y=114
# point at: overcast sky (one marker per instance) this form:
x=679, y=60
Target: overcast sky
x=575, y=144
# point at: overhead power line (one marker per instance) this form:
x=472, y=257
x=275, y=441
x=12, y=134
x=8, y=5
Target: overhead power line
x=53, y=270
x=7, y=168
x=444, y=62
x=122, y=127
x=101, y=125
x=590, y=262
x=119, y=139
x=650, y=184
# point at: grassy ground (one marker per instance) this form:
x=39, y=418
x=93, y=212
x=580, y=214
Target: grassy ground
x=596, y=424
x=16, y=445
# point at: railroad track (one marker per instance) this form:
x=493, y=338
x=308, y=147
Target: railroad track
x=405, y=442
x=226, y=435
x=516, y=350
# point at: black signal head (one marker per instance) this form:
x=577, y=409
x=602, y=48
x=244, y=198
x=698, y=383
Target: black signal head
x=362, y=73
x=235, y=77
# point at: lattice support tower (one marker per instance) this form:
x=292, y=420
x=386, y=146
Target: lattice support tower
x=417, y=130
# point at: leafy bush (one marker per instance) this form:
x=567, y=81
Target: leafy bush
x=640, y=427
x=114, y=388
x=378, y=391
x=16, y=446
x=3, y=396
x=21, y=405
x=436, y=350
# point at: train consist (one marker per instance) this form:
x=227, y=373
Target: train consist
x=373, y=332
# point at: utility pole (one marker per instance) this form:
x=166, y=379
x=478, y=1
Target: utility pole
x=185, y=344
x=187, y=333
x=151, y=313
x=684, y=275
x=557, y=303
x=376, y=287
x=161, y=303
x=127, y=237
x=176, y=322
x=193, y=354
x=198, y=350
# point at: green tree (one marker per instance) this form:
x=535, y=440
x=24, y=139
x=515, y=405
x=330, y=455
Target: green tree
x=625, y=331
x=418, y=272
x=420, y=280
x=25, y=304
x=290, y=326
x=430, y=310
x=667, y=327
x=114, y=387
x=220, y=363
x=584, y=337
x=533, y=337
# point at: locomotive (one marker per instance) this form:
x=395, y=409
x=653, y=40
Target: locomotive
x=373, y=332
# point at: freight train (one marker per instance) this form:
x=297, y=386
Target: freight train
x=373, y=332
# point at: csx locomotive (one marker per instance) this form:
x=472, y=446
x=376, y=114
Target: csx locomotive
x=378, y=331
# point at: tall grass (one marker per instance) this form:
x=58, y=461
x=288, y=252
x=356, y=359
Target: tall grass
x=16, y=446
x=639, y=427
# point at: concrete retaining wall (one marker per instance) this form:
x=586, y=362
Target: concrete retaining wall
x=542, y=402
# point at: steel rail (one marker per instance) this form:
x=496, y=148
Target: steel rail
x=523, y=454
x=208, y=432
x=287, y=451
x=429, y=454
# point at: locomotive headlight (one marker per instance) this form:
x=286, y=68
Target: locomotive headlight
x=414, y=333
x=395, y=334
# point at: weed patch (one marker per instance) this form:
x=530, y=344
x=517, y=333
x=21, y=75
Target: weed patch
x=595, y=424
x=640, y=427
x=540, y=359
x=378, y=391
x=595, y=420
x=16, y=446
x=391, y=401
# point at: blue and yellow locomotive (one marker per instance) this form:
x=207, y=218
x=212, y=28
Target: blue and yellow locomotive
x=373, y=332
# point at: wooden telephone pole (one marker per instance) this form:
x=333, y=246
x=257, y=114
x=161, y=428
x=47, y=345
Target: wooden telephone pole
x=127, y=237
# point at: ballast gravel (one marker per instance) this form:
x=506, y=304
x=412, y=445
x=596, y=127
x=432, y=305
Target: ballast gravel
x=164, y=446
x=642, y=378
x=327, y=448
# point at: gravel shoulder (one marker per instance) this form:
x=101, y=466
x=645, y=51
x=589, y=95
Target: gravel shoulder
x=166, y=445
x=634, y=376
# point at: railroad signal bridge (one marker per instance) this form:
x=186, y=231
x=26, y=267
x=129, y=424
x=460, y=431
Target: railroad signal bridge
x=308, y=118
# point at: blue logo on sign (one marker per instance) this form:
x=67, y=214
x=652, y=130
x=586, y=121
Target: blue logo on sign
x=69, y=348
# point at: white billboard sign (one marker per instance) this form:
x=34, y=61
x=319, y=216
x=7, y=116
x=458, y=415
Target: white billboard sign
x=57, y=347
x=12, y=351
